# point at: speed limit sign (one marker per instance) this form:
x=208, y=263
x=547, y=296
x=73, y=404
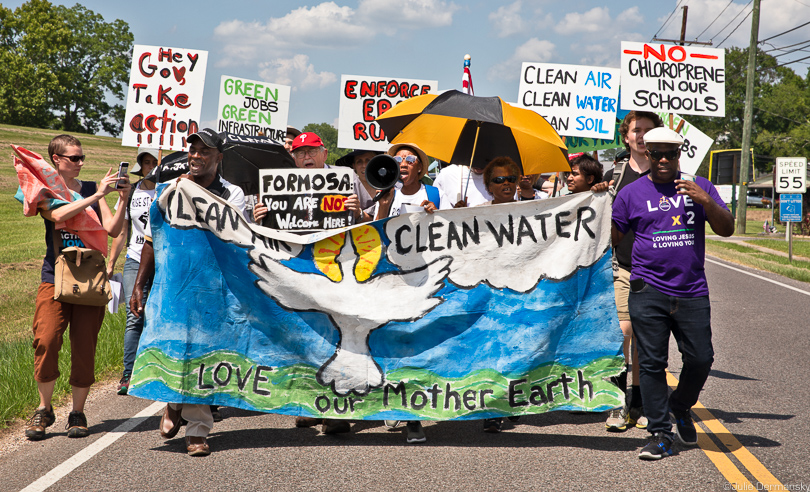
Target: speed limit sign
x=791, y=174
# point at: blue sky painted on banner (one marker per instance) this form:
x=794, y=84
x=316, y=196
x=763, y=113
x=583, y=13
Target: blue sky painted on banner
x=308, y=45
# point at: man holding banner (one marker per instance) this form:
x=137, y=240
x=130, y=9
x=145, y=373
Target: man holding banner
x=204, y=157
x=668, y=288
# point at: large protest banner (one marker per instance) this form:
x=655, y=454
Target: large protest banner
x=462, y=314
x=671, y=78
x=164, y=96
x=253, y=108
x=363, y=98
x=576, y=100
x=696, y=144
x=306, y=199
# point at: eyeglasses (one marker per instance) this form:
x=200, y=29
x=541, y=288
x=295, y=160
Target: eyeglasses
x=310, y=151
x=502, y=179
x=410, y=159
x=73, y=158
x=657, y=155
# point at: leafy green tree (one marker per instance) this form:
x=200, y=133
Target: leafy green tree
x=59, y=65
x=329, y=136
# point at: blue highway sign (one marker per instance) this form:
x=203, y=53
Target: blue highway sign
x=790, y=207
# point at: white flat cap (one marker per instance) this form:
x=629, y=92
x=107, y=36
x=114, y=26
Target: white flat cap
x=662, y=134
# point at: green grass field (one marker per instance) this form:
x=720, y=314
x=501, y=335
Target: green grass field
x=22, y=247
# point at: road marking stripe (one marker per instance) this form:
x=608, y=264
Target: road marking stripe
x=723, y=462
x=748, y=460
x=760, y=277
x=85, y=454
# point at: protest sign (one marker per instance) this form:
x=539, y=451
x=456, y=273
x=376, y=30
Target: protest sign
x=253, y=108
x=467, y=313
x=696, y=144
x=164, y=96
x=671, y=78
x=584, y=144
x=364, y=98
x=576, y=100
x=306, y=199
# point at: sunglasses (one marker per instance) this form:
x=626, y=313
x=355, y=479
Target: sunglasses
x=410, y=159
x=73, y=158
x=502, y=179
x=659, y=154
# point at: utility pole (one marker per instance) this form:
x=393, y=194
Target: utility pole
x=748, y=119
x=683, y=23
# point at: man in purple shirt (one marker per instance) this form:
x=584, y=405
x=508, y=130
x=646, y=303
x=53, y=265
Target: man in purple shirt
x=667, y=211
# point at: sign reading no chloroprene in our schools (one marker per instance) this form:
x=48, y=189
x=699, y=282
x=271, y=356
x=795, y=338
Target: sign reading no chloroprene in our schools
x=578, y=101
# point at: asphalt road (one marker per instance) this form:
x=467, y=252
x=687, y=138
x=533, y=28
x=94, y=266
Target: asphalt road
x=755, y=419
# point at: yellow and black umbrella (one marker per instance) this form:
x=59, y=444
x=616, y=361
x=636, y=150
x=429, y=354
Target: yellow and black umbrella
x=470, y=130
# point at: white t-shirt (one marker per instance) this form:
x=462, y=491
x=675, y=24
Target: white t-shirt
x=139, y=209
x=452, y=180
x=401, y=199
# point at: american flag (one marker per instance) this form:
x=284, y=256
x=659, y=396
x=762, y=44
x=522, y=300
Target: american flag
x=466, y=79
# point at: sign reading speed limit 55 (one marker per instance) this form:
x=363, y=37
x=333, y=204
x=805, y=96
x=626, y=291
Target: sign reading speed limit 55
x=791, y=174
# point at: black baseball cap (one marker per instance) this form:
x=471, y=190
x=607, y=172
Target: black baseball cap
x=209, y=137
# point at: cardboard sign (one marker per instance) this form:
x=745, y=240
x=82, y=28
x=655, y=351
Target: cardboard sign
x=584, y=144
x=364, y=98
x=671, y=78
x=576, y=100
x=252, y=107
x=695, y=143
x=306, y=199
x=164, y=97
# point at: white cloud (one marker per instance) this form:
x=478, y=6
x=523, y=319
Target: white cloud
x=296, y=72
x=594, y=20
x=508, y=19
x=533, y=50
x=414, y=14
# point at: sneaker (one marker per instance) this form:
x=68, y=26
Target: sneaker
x=391, y=424
x=635, y=417
x=123, y=385
x=414, y=432
x=493, y=426
x=616, y=421
x=660, y=446
x=41, y=419
x=77, y=425
x=215, y=413
x=335, y=426
x=685, y=427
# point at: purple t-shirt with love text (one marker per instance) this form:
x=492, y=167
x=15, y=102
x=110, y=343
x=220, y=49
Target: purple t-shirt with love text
x=669, y=248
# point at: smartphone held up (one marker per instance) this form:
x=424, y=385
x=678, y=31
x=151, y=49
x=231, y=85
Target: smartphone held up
x=122, y=174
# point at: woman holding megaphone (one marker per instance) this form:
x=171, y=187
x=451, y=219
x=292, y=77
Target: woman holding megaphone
x=413, y=163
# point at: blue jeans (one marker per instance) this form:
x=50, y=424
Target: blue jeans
x=654, y=316
x=132, y=335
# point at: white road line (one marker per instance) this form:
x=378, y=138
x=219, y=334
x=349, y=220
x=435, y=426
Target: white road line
x=760, y=277
x=85, y=454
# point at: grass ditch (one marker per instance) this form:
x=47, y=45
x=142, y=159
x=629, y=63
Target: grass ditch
x=747, y=256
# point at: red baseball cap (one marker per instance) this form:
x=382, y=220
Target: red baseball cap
x=307, y=139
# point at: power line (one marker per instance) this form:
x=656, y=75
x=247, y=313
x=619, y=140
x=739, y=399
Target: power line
x=715, y=20
x=668, y=18
x=781, y=33
x=733, y=19
x=804, y=48
x=735, y=29
x=783, y=47
x=794, y=61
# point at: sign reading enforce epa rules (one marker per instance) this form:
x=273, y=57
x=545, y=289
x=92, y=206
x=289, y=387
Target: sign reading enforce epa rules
x=791, y=174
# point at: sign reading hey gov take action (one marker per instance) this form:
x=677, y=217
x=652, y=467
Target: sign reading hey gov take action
x=791, y=174
x=576, y=100
x=253, y=108
x=674, y=79
x=164, y=96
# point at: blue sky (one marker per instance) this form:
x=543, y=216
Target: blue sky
x=309, y=45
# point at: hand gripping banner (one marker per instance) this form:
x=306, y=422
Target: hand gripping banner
x=463, y=314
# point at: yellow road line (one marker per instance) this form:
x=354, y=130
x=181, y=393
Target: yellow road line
x=728, y=469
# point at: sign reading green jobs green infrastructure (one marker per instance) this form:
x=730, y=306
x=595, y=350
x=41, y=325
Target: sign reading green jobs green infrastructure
x=251, y=107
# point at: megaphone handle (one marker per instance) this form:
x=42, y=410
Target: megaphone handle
x=380, y=195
